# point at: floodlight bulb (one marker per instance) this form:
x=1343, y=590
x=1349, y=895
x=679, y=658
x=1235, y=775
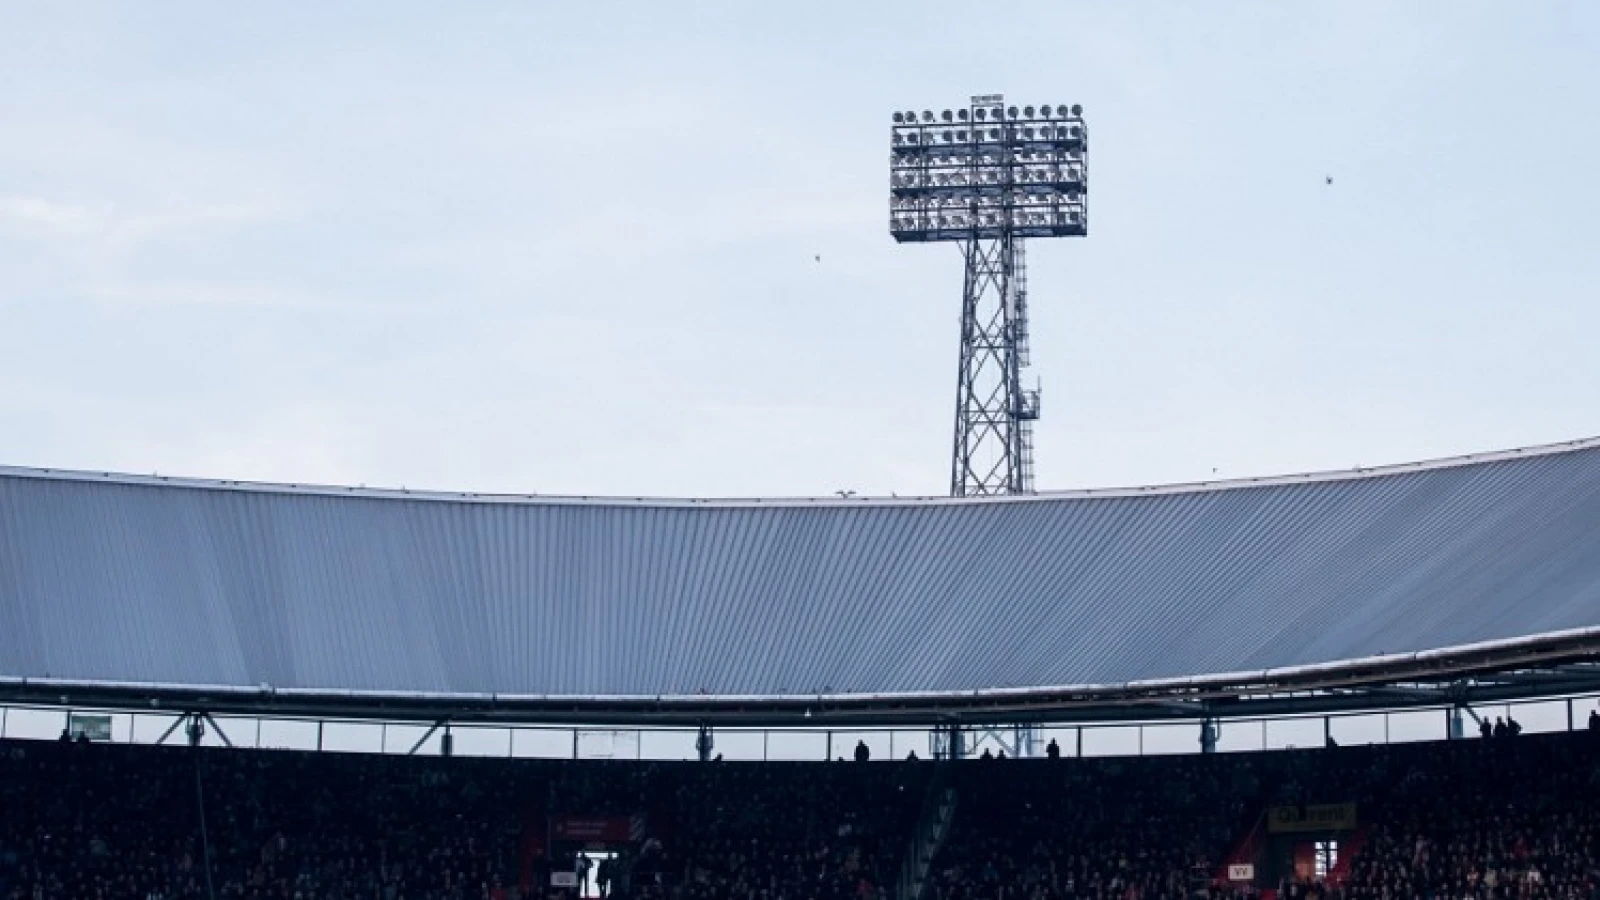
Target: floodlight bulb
x=1045, y=110
x=994, y=134
x=1077, y=110
x=1075, y=131
x=1012, y=112
x=961, y=114
x=1028, y=132
x=927, y=115
x=980, y=113
x=961, y=135
x=946, y=115
x=1027, y=111
x=898, y=118
x=1061, y=111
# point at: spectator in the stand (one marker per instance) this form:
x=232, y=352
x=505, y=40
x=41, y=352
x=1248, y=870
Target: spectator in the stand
x=863, y=753
x=1500, y=727
x=1594, y=720
x=986, y=754
x=1485, y=730
x=912, y=756
x=1053, y=749
x=1513, y=727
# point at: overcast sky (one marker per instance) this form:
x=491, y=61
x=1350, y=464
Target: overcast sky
x=570, y=247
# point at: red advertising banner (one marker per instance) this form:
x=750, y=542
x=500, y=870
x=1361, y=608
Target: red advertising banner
x=592, y=829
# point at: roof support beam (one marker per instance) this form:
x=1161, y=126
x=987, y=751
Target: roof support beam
x=218, y=729
x=1546, y=667
x=424, y=739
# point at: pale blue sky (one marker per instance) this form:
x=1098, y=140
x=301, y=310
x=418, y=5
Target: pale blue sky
x=569, y=247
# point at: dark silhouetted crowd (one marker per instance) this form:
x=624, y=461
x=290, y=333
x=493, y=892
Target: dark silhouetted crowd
x=1092, y=829
x=1507, y=817
x=82, y=821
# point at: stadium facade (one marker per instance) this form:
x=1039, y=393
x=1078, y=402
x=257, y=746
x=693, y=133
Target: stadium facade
x=1452, y=581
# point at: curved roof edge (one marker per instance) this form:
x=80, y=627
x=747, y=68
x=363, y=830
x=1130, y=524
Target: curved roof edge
x=1552, y=663
x=1356, y=474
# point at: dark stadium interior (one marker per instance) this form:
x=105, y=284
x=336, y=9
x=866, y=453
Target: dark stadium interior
x=1510, y=818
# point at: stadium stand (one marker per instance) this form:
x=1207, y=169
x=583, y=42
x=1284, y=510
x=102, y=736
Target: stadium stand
x=1091, y=828
x=1497, y=819
x=1500, y=819
x=86, y=821
x=82, y=820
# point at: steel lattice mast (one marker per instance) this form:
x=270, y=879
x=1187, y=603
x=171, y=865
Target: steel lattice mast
x=988, y=177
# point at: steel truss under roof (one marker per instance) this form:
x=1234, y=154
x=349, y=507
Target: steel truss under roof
x=1470, y=579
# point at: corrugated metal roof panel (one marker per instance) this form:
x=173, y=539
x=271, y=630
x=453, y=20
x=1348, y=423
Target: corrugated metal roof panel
x=145, y=580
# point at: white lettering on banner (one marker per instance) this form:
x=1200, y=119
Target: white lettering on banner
x=1241, y=872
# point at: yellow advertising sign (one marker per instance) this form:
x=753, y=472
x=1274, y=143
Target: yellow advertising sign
x=1323, y=817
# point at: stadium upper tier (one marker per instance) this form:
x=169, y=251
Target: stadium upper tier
x=155, y=581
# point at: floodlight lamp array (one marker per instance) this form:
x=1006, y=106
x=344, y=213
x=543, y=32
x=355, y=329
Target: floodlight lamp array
x=986, y=170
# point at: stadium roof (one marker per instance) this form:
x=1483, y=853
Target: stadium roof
x=127, y=583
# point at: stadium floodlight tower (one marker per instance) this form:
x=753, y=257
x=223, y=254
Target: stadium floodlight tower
x=989, y=177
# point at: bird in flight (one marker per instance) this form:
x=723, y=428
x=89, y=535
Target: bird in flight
x=819, y=257
x=1329, y=178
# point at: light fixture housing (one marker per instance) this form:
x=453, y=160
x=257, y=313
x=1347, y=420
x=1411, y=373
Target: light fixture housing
x=1021, y=171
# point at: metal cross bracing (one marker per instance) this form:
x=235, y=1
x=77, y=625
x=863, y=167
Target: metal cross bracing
x=994, y=413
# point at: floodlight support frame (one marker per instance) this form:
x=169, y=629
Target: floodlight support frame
x=989, y=182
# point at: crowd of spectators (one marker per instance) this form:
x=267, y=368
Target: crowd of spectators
x=1506, y=817
x=1498, y=819
x=84, y=821
x=1092, y=829
x=1503, y=818
x=796, y=830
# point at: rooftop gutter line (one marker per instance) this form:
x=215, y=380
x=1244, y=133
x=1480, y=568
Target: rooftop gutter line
x=1366, y=670
x=258, y=487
